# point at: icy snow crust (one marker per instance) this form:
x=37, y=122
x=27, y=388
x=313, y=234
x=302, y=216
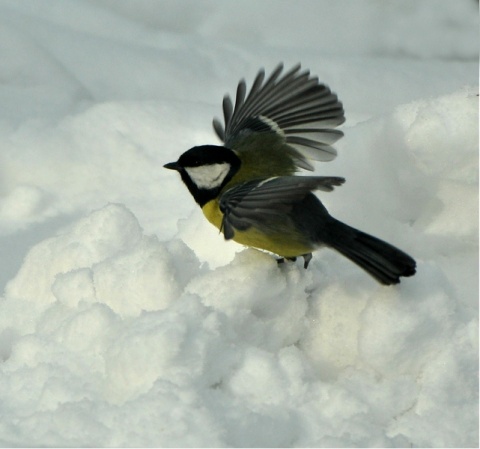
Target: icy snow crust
x=126, y=320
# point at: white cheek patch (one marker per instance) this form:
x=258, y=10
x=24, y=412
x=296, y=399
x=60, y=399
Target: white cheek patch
x=208, y=176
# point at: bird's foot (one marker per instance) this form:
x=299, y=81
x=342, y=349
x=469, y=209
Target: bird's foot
x=306, y=259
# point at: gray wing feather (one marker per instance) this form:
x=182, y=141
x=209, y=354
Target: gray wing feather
x=255, y=203
x=294, y=105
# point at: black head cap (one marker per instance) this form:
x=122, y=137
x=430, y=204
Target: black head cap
x=204, y=155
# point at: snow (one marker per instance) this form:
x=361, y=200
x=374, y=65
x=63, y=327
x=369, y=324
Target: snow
x=126, y=320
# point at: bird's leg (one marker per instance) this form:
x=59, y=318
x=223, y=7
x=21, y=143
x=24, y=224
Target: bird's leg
x=306, y=258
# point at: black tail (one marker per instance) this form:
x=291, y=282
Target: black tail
x=378, y=258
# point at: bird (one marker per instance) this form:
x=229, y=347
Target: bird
x=250, y=187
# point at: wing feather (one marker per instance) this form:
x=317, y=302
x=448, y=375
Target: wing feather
x=227, y=110
x=295, y=105
x=256, y=203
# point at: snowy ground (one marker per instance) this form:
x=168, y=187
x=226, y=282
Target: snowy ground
x=126, y=320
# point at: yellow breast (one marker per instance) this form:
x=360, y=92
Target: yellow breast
x=279, y=243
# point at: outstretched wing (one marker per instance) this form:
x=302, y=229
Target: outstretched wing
x=295, y=106
x=263, y=202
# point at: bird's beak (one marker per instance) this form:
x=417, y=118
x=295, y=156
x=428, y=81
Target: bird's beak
x=172, y=166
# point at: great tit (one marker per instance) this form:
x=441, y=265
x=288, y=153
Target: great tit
x=248, y=189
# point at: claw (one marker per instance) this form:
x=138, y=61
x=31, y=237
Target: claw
x=307, y=258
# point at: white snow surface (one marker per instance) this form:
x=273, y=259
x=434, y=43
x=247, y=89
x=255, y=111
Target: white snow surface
x=127, y=320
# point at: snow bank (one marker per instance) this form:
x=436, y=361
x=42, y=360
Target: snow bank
x=115, y=338
x=126, y=320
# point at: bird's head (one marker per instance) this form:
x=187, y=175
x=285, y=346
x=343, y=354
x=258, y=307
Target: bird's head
x=205, y=170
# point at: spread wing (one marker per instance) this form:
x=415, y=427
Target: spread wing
x=300, y=110
x=262, y=203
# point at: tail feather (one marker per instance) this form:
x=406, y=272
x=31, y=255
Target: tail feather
x=378, y=258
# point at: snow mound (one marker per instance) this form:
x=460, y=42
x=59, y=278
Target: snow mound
x=115, y=338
